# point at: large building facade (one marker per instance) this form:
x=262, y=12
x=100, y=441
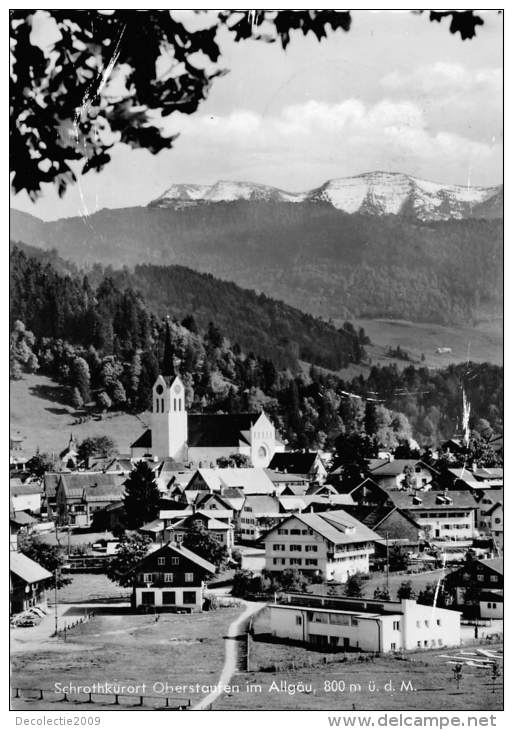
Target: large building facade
x=201, y=439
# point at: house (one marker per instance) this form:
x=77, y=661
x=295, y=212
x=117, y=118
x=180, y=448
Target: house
x=201, y=439
x=362, y=624
x=170, y=577
x=218, y=529
x=17, y=457
x=369, y=492
x=79, y=496
x=389, y=522
x=258, y=514
x=50, y=483
x=285, y=483
x=249, y=480
x=490, y=515
x=26, y=497
x=445, y=517
x=391, y=474
x=491, y=604
x=29, y=582
x=307, y=464
x=331, y=545
x=470, y=585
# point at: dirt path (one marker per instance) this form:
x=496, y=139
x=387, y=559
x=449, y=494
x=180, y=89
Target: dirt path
x=230, y=659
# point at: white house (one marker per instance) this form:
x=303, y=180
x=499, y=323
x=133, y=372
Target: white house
x=446, y=517
x=368, y=625
x=26, y=497
x=330, y=544
x=202, y=438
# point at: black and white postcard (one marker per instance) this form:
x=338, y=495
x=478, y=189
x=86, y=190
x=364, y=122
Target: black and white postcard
x=256, y=363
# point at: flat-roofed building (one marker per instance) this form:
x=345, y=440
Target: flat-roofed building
x=364, y=624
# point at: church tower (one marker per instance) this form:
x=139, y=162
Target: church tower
x=169, y=416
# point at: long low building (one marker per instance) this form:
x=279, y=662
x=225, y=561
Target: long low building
x=364, y=624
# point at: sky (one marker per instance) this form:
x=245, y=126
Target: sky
x=396, y=93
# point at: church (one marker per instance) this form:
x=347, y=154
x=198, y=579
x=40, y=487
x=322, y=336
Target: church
x=200, y=439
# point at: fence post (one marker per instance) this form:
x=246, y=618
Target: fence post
x=65, y=698
x=141, y=700
x=17, y=692
x=116, y=700
x=40, y=694
x=90, y=697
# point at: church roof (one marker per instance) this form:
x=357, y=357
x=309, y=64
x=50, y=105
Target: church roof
x=144, y=440
x=219, y=429
x=296, y=462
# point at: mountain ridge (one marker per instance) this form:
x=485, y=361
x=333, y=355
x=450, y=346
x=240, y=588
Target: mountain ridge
x=373, y=193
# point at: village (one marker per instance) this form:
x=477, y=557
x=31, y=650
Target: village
x=210, y=524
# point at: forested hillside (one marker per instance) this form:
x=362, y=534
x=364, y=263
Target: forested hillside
x=314, y=257
x=77, y=307
x=105, y=345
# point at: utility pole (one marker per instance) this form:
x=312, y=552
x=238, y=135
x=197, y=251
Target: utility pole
x=388, y=569
x=56, y=614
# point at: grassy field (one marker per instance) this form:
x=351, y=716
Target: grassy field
x=41, y=415
x=129, y=650
x=481, y=343
x=419, y=681
x=90, y=587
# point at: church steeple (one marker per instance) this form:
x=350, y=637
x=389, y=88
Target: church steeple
x=167, y=363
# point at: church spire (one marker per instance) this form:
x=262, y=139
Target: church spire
x=167, y=363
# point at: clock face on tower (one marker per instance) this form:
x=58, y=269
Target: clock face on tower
x=159, y=389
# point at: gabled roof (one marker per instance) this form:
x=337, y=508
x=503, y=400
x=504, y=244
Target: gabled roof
x=397, y=466
x=27, y=569
x=204, y=497
x=372, y=516
x=210, y=522
x=495, y=564
x=144, y=441
x=262, y=505
x=169, y=466
x=336, y=526
x=179, y=550
x=496, y=472
x=105, y=493
x=50, y=481
x=431, y=500
x=219, y=429
x=25, y=489
x=74, y=485
x=490, y=496
x=20, y=517
x=278, y=476
x=296, y=462
x=250, y=480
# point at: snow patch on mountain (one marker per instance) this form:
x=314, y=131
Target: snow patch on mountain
x=373, y=193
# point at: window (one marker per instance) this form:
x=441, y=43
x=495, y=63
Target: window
x=295, y=561
x=310, y=561
x=354, y=621
x=392, y=646
x=418, y=624
x=419, y=644
x=161, y=561
x=298, y=620
x=175, y=561
x=168, y=598
x=396, y=625
x=489, y=605
x=311, y=548
x=189, y=577
x=295, y=532
x=438, y=622
x=283, y=532
x=278, y=547
x=189, y=597
x=480, y=577
x=147, y=577
x=426, y=624
x=295, y=548
x=305, y=532
x=494, y=578
x=168, y=577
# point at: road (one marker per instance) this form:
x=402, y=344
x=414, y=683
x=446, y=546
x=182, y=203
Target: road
x=230, y=660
